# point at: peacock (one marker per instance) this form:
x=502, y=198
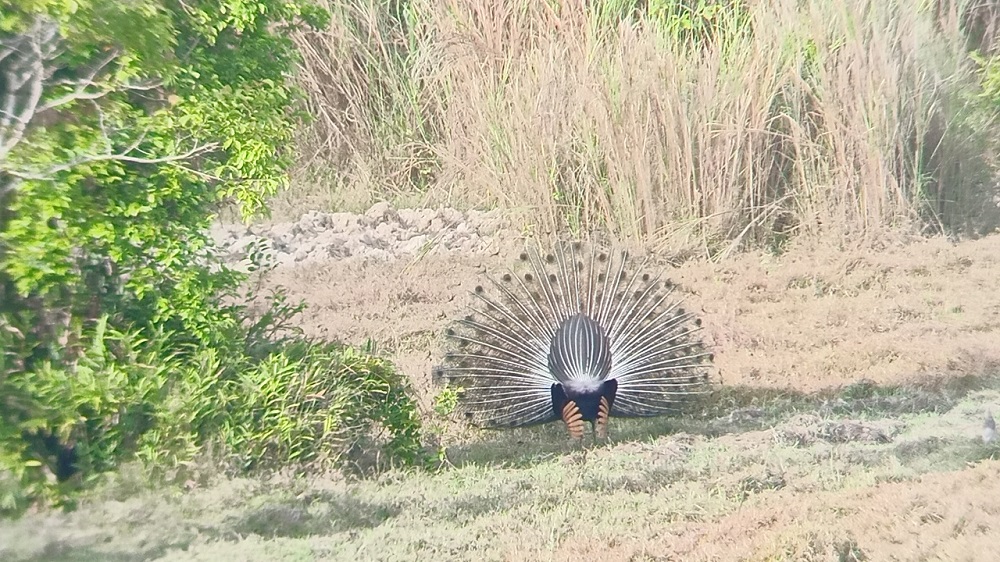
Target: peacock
x=577, y=334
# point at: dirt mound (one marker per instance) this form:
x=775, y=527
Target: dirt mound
x=381, y=234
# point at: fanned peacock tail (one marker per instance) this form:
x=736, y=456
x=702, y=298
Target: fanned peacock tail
x=575, y=335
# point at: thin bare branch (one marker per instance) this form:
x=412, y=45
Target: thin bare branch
x=117, y=157
x=25, y=71
x=24, y=81
x=82, y=87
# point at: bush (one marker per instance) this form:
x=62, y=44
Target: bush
x=990, y=69
x=315, y=403
x=125, y=126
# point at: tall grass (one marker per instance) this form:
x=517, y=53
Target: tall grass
x=715, y=125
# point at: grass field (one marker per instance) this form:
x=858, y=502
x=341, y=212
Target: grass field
x=847, y=426
x=858, y=475
x=819, y=177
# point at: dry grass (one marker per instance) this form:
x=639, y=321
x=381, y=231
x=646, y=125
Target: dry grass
x=807, y=320
x=847, y=428
x=841, y=118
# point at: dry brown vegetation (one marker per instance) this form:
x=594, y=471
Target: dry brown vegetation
x=705, y=129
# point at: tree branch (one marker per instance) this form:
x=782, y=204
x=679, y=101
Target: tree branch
x=117, y=157
x=27, y=63
x=25, y=70
x=81, y=86
x=18, y=106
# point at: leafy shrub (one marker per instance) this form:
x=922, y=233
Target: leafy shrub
x=313, y=403
x=125, y=125
x=306, y=403
x=990, y=72
x=75, y=422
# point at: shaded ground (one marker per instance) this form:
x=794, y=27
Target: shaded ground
x=847, y=427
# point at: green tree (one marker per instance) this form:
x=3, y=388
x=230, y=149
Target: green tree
x=123, y=126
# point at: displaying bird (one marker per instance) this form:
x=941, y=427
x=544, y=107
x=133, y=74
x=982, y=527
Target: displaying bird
x=575, y=335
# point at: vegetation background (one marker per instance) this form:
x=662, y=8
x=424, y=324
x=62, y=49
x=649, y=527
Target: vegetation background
x=703, y=130
x=708, y=125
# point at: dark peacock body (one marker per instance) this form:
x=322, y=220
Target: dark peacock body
x=575, y=336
